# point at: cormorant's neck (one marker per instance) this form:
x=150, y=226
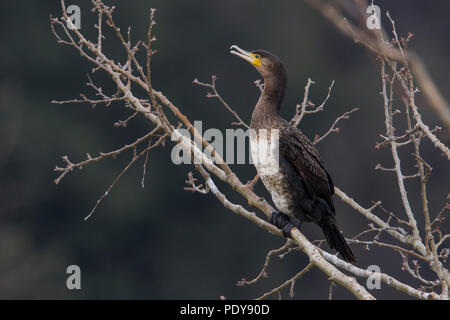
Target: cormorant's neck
x=274, y=90
x=269, y=103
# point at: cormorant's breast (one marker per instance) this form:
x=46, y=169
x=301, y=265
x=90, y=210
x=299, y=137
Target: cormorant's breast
x=276, y=173
x=279, y=176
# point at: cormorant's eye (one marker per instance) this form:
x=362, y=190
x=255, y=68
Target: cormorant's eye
x=257, y=56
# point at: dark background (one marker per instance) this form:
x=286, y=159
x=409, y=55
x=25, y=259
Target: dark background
x=163, y=242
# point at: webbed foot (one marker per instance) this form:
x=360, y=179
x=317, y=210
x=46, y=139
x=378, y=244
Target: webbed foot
x=282, y=222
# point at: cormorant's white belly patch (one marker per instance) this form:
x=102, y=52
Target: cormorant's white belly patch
x=265, y=156
x=280, y=192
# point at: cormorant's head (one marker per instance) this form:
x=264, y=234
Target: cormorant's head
x=266, y=63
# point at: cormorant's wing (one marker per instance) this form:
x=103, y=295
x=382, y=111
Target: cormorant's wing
x=303, y=156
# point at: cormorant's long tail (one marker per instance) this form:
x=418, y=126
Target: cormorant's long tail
x=335, y=238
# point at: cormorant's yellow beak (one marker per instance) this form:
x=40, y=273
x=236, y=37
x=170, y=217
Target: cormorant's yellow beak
x=253, y=58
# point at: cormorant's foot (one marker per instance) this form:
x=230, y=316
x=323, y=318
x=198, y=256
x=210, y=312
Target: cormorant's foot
x=282, y=222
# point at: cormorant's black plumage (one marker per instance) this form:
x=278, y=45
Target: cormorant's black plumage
x=301, y=187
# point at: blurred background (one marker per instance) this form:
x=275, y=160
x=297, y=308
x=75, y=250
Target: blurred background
x=162, y=242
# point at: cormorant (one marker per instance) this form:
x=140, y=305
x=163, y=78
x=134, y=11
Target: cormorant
x=296, y=178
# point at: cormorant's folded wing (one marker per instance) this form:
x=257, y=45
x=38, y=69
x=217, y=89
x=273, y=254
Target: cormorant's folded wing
x=303, y=156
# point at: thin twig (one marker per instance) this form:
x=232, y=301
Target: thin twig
x=215, y=94
x=263, y=272
x=133, y=160
x=333, y=127
x=289, y=283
